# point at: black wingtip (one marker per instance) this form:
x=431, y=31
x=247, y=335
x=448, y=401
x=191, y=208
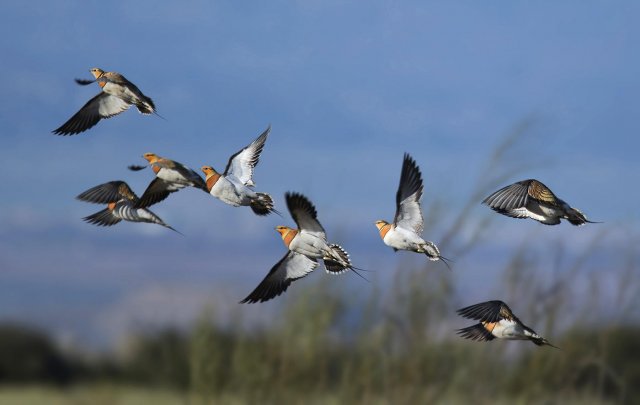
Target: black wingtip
x=136, y=168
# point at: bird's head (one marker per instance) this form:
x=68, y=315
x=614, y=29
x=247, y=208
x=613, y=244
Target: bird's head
x=287, y=234
x=150, y=157
x=381, y=224
x=96, y=72
x=208, y=171
x=282, y=230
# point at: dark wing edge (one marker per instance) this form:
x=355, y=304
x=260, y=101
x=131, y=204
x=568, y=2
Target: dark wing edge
x=279, y=278
x=107, y=192
x=275, y=283
x=80, y=121
x=509, y=198
x=102, y=218
x=297, y=204
x=156, y=191
x=410, y=180
x=476, y=332
x=257, y=145
x=490, y=311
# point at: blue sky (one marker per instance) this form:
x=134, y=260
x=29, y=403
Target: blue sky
x=347, y=87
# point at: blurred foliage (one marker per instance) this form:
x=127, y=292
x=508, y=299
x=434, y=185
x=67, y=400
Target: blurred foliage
x=28, y=355
x=306, y=357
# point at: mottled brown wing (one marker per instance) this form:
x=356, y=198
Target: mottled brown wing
x=541, y=192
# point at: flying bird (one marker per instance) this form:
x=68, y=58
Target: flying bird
x=121, y=205
x=171, y=176
x=117, y=95
x=306, y=245
x=497, y=321
x=234, y=186
x=532, y=199
x=404, y=233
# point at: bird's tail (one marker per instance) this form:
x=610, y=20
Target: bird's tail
x=540, y=341
x=433, y=253
x=339, y=261
x=263, y=204
x=576, y=217
x=146, y=106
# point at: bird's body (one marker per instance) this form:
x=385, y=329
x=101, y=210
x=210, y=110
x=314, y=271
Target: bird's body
x=115, y=84
x=404, y=233
x=171, y=176
x=234, y=186
x=229, y=191
x=532, y=199
x=405, y=239
x=117, y=95
x=121, y=205
x=306, y=245
x=497, y=321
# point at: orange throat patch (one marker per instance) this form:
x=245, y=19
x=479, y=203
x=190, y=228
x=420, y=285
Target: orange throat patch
x=288, y=236
x=383, y=231
x=212, y=180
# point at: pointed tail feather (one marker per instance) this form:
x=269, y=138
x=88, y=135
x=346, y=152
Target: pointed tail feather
x=576, y=217
x=446, y=262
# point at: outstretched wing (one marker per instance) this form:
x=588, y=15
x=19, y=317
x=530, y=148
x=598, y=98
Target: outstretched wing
x=304, y=214
x=108, y=192
x=408, y=210
x=510, y=200
x=490, y=311
x=101, y=106
x=104, y=217
x=157, y=191
x=522, y=200
x=185, y=172
x=476, y=332
x=241, y=164
x=290, y=268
